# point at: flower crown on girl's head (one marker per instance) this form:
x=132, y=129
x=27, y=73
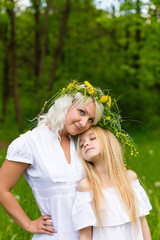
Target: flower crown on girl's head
x=111, y=118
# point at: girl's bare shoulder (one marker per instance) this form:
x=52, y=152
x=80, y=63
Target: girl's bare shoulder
x=132, y=176
x=83, y=185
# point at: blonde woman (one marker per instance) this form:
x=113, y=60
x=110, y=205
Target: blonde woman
x=110, y=203
x=48, y=159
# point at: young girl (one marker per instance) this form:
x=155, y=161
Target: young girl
x=110, y=203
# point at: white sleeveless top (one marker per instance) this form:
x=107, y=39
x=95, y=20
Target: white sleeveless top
x=116, y=221
x=53, y=181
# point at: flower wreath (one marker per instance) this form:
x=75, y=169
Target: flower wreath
x=111, y=118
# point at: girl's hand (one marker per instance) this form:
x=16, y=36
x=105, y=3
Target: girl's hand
x=41, y=225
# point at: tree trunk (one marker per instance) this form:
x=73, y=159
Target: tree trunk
x=127, y=36
x=14, y=63
x=6, y=90
x=58, y=50
x=37, y=53
x=137, y=36
x=44, y=37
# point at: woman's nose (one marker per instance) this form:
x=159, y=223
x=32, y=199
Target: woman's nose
x=84, y=122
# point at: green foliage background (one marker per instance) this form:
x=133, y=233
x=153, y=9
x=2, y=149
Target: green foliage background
x=112, y=49
x=116, y=51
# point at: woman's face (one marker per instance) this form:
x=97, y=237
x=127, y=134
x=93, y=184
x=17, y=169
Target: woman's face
x=89, y=146
x=79, y=118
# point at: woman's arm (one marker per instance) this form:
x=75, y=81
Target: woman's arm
x=10, y=173
x=145, y=229
x=85, y=233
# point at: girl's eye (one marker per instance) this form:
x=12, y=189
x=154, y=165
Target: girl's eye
x=81, y=145
x=82, y=112
x=93, y=138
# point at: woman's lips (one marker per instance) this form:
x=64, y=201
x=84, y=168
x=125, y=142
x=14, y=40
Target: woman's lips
x=77, y=127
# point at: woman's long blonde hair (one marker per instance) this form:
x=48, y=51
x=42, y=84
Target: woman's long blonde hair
x=112, y=155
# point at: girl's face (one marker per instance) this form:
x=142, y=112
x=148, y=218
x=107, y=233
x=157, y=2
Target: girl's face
x=89, y=146
x=79, y=118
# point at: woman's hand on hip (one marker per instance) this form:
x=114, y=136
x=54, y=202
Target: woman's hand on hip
x=42, y=225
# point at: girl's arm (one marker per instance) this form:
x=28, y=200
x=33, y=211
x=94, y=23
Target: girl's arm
x=85, y=233
x=145, y=229
x=10, y=173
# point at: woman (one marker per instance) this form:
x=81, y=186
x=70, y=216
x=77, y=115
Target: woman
x=110, y=203
x=48, y=159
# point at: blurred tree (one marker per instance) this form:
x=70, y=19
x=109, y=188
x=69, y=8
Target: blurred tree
x=36, y=5
x=6, y=63
x=13, y=63
x=60, y=43
x=44, y=38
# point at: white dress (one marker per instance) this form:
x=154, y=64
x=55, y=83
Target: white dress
x=53, y=181
x=116, y=222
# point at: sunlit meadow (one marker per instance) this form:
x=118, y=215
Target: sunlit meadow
x=146, y=165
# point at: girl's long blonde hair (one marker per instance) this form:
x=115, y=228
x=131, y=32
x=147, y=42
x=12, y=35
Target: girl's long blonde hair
x=112, y=155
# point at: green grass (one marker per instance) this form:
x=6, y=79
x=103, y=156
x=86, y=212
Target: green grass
x=8, y=229
x=146, y=165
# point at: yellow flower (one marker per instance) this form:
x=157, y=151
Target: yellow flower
x=87, y=84
x=70, y=86
x=109, y=101
x=108, y=118
x=63, y=89
x=104, y=99
x=91, y=91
